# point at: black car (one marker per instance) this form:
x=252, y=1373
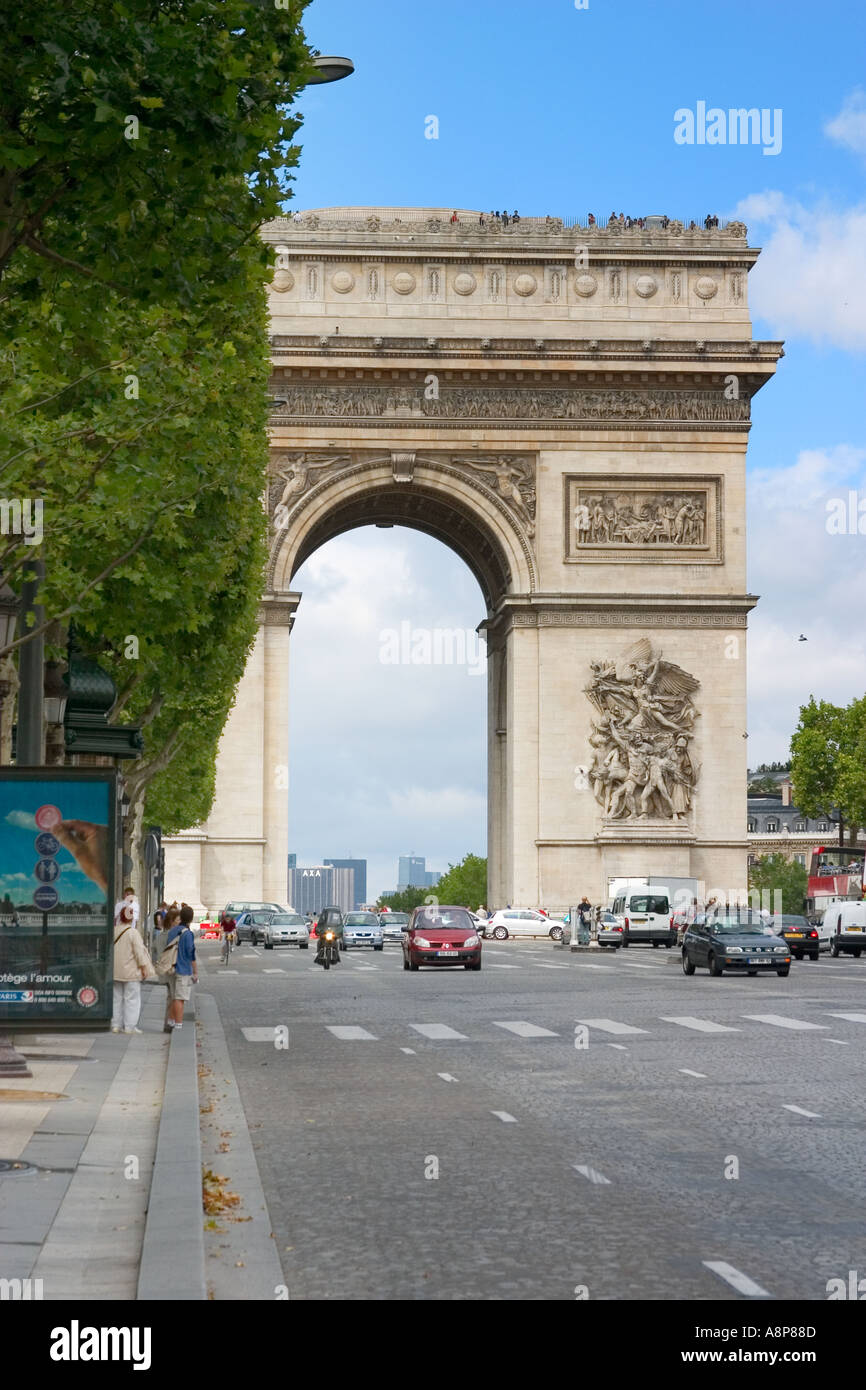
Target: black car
x=734, y=939
x=800, y=936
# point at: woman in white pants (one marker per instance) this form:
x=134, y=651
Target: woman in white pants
x=132, y=964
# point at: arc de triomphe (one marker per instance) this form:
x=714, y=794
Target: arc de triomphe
x=568, y=410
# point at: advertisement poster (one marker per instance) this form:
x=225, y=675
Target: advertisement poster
x=57, y=856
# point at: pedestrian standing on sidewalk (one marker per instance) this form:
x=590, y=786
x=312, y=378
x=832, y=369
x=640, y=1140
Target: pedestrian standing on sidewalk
x=132, y=964
x=185, y=974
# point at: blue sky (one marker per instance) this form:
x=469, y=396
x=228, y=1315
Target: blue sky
x=548, y=108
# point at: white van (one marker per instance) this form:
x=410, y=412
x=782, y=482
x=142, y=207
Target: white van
x=844, y=928
x=646, y=915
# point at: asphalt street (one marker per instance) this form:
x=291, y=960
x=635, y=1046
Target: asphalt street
x=557, y=1126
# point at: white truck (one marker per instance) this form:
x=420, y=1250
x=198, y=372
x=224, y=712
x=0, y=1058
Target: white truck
x=651, y=909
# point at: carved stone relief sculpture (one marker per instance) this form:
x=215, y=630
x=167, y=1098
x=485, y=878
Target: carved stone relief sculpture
x=642, y=729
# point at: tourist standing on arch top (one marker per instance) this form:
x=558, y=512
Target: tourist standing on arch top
x=454, y=217
x=590, y=221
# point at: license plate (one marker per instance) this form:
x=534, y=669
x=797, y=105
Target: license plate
x=446, y=953
x=796, y=935
x=639, y=920
x=759, y=960
x=853, y=929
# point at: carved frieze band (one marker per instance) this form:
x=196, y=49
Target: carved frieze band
x=358, y=401
x=637, y=618
x=666, y=519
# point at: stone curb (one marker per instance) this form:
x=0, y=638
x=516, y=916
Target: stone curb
x=172, y=1254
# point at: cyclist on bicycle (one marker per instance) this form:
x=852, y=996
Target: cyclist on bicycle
x=228, y=927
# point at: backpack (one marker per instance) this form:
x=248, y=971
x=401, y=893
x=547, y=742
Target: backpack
x=167, y=961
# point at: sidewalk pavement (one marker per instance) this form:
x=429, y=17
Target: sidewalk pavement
x=110, y=1204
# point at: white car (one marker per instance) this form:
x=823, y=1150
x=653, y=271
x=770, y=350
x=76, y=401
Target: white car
x=286, y=929
x=523, y=921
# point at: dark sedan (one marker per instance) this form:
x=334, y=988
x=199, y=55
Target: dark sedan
x=441, y=936
x=250, y=926
x=799, y=935
x=734, y=939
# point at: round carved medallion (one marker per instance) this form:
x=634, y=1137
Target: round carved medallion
x=403, y=282
x=464, y=283
x=525, y=284
x=343, y=281
x=283, y=280
x=706, y=287
x=645, y=286
x=586, y=285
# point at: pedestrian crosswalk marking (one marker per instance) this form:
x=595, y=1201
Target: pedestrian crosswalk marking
x=610, y=1025
x=700, y=1074
x=620, y=1047
x=778, y=1021
x=798, y=1110
x=540, y=965
x=437, y=1031
x=446, y=1076
x=350, y=1032
x=638, y=965
x=274, y=970
x=592, y=1173
x=851, y=1018
x=737, y=1280
x=526, y=1030
x=259, y=1035
x=504, y=1116
x=410, y=1051
x=700, y=1025
x=495, y=965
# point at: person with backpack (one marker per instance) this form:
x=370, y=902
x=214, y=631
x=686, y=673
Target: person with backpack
x=132, y=964
x=178, y=967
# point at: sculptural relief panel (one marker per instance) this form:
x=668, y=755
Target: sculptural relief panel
x=614, y=518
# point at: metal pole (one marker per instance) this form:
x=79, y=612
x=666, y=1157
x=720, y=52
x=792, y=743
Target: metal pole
x=31, y=663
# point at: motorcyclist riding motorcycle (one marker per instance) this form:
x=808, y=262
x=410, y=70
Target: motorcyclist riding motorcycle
x=329, y=934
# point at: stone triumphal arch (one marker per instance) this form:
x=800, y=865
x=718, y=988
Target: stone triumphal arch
x=568, y=410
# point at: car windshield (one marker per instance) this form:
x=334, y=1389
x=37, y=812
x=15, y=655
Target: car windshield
x=730, y=923
x=649, y=904
x=395, y=919
x=362, y=919
x=288, y=920
x=445, y=918
x=798, y=922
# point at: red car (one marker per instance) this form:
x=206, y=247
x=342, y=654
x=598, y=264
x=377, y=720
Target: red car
x=441, y=936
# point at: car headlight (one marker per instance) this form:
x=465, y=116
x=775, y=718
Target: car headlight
x=780, y=950
x=734, y=950
x=421, y=941
x=471, y=941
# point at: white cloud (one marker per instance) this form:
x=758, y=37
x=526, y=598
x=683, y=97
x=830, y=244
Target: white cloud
x=849, y=127
x=22, y=820
x=808, y=280
x=811, y=583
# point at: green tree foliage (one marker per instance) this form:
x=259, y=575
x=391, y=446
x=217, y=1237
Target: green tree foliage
x=828, y=771
x=142, y=144
x=406, y=899
x=772, y=873
x=465, y=884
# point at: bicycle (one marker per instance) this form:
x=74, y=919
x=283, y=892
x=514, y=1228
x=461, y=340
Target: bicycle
x=226, y=948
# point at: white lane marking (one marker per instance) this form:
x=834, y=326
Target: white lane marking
x=636, y=965
x=592, y=1173
x=350, y=1032
x=620, y=1047
x=228, y=972
x=504, y=1116
x=410, y=1051
x=841, y=1041
x=446, y=1076
x=739, y=1281
x=779, y=1021
x=798, y=1110
x=526, y=1030
x=259, y=1034
x=362, y=968
x=591, y=965
x=437, y=1030
x=250, y=955
x=686, y=1072
x=700, y=1025
x=274, y=970
x=851, y=1018
x=494, y=965
x=539, y=965
x=610, y=1025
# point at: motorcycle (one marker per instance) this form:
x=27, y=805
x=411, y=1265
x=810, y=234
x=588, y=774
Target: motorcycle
x=329, y=953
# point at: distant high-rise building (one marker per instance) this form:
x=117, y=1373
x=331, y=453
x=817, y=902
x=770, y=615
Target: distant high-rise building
x=359, y=867
x=293, y=861
x=432, y=877
x=321, y=885
x=411, y=871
